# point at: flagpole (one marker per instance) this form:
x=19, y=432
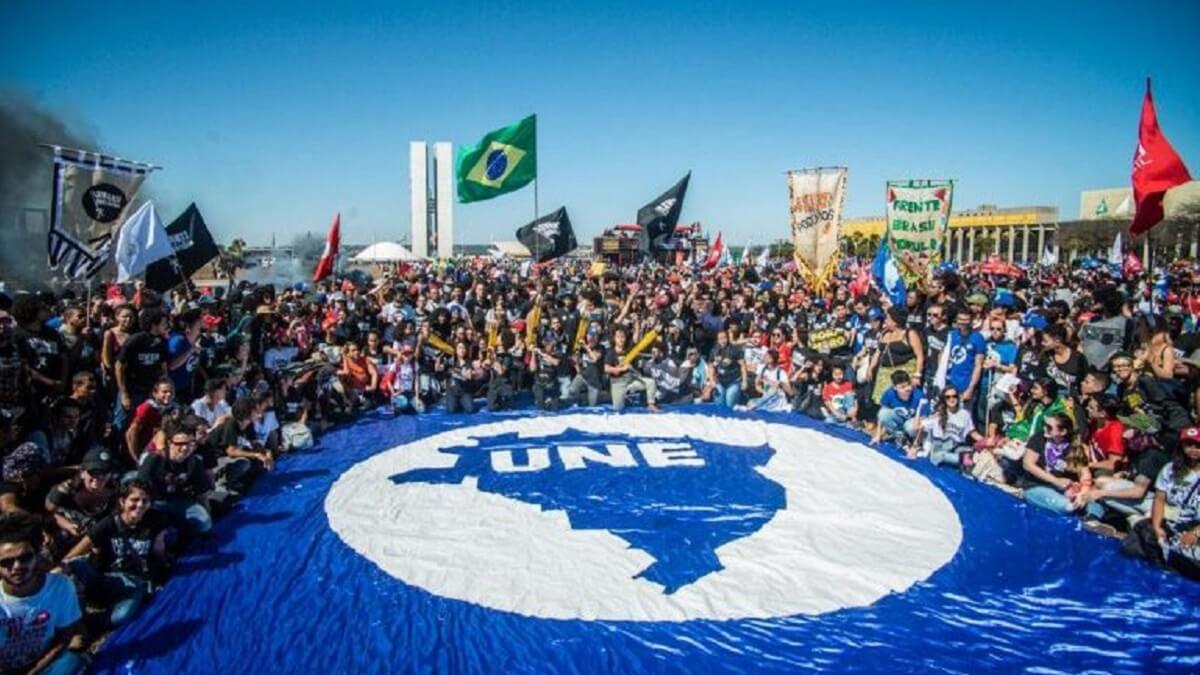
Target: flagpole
x=535, y=199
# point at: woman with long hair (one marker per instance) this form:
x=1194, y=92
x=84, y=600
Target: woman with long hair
x=945, y=435
x=1171, y=535
x=1056, y=468
x=900, y=348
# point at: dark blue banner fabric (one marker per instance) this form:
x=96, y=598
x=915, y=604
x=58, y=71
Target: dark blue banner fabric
x=695, y=541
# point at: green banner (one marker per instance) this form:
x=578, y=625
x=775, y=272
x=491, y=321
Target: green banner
x=918, y=218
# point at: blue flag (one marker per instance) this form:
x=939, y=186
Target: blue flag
x=887, y=275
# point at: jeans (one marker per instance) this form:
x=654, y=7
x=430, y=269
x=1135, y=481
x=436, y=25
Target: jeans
x=1128, y=507
x=457, y=401
x=1049, y=498
x=579, y=386
x=67, y=663
x=188, y=512
x=899, y=423
x=728, y=395
x=627, y=383
x=124, y=593
x=945, y=451
x=407, y=403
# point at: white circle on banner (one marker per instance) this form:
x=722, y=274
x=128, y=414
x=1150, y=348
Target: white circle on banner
x=856, y=526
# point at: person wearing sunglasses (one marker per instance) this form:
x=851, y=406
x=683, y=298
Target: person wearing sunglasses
x=1056, y=469
x=945, y=435
x=42, y=618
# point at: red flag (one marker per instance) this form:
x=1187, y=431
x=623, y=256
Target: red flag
x=1131, y=266
x=714, y=254
x=332, y=243
x=1156, y=169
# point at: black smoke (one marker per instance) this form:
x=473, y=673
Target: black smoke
x=25, y=182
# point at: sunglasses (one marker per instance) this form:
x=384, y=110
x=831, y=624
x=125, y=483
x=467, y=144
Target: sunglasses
x=24, y=559
x=950, y=397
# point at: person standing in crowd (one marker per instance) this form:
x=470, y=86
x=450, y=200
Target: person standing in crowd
x=142, y=362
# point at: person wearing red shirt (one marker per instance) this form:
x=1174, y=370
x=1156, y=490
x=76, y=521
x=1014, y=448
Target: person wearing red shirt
x=147, y=418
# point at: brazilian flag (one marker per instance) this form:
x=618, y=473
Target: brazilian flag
x=502, y=161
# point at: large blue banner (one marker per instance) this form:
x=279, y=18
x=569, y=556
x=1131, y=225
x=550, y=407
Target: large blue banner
x=691, y=541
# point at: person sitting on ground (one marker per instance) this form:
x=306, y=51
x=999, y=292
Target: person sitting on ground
x=624, y=377
x=212, y=407
x=838, y=400
x=79, y=502
x=43, y=621
x=147, y=419
x=117, y=559
x=178, y=480
x=1171, y=536
x=945, y=435
x=1105, y=434
x=403, y=380
x=898, y=409
x=773, y=383
x=359, y=378
x=1056, y=473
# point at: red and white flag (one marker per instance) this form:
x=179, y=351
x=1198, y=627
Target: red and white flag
x=332, y=243
x=715, y=253
x=1156, y=169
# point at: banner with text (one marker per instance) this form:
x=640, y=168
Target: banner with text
x=92, y=196
x=816, y=196
x=918, y=215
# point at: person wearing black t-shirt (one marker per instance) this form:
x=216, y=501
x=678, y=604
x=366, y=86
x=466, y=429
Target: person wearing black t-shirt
x=49, y=368
x=178, y=480
x=589, y=365
x=726, y=371
x=118, y=557
x=141, y=363
x=623, y=377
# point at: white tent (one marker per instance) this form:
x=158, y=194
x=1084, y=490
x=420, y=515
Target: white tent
x=385, y=251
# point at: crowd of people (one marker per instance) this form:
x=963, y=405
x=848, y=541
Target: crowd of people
x=130, y=420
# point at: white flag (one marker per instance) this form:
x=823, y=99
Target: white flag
x=141, y=241
x=1049, y=256
x=764, y=257
x=1115, y=253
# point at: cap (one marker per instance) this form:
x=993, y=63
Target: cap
x=875, y=314
x=977, y=299
x=99, y=460
x=1035, y=321
x=1190, y=435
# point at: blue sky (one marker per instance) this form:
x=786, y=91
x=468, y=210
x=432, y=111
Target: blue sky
x=274, y=116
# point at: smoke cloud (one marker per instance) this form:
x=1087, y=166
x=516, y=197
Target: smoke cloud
x=25, y=185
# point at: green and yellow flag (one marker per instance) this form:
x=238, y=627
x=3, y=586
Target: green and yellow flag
x=502, y=161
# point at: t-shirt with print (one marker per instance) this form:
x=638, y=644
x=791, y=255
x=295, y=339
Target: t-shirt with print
x=1183, y=494
x=143, y=356
x=28, y=625
x=126, y=548
x=171, y=480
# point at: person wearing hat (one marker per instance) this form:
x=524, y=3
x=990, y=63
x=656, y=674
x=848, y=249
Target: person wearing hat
x=1171, y=535
x=80, y=501
x=23, y=472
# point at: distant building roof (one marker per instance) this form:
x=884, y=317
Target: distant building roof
x=510, y=249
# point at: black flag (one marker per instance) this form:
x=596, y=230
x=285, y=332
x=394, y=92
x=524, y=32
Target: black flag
x=194, y=248
x=549, y=237
x=659, y=218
